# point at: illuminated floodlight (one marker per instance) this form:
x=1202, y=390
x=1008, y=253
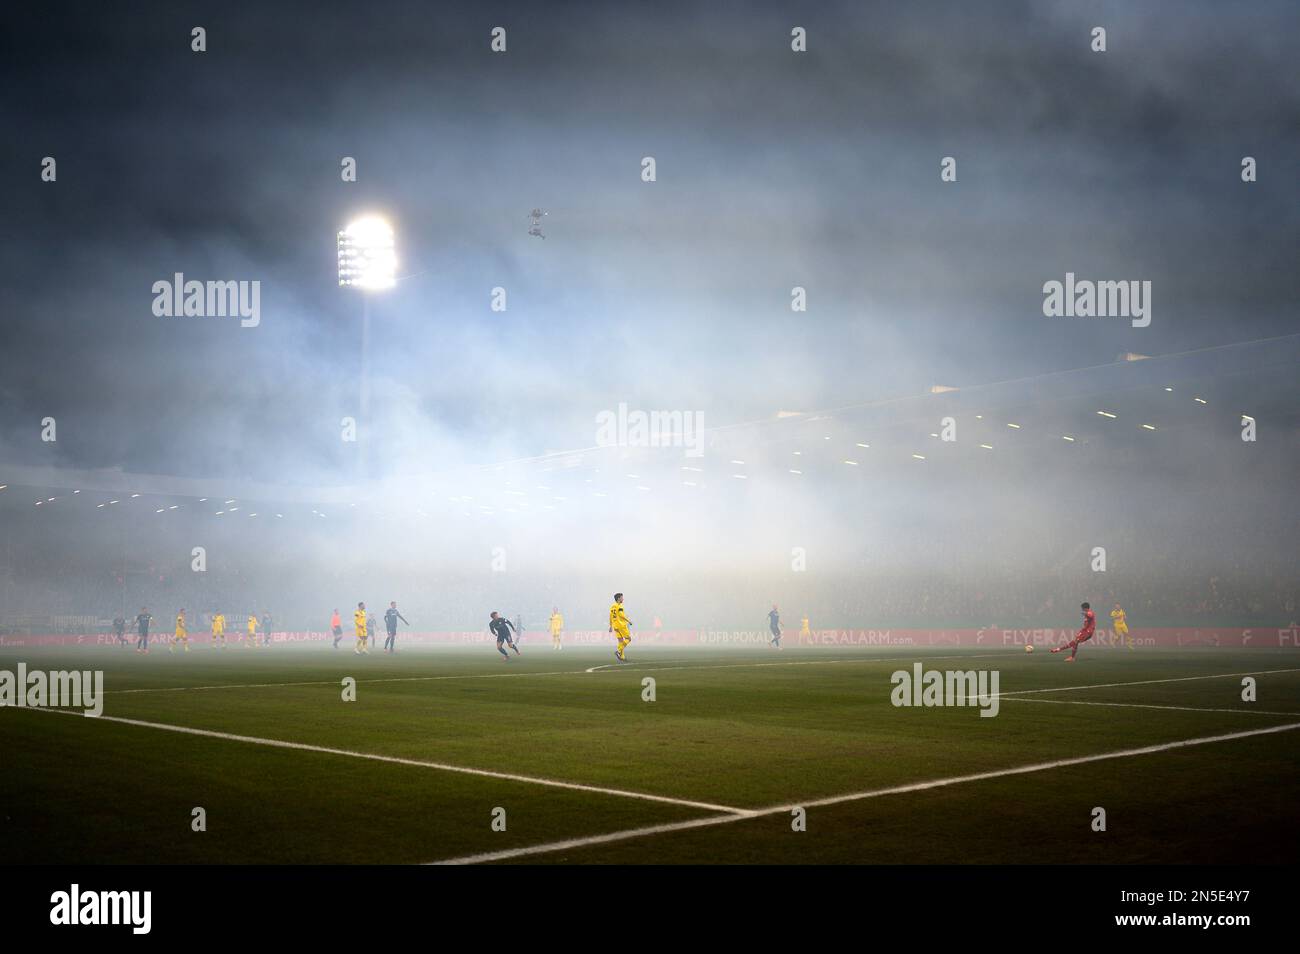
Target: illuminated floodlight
x=368, y=255
x=1148, y=427
x=1108, y=414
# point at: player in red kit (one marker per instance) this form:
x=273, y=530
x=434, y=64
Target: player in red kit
x=1083, y=635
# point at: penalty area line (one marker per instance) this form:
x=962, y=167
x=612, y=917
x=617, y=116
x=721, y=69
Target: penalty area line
x=1141, y=705
x=414, y=763
x=854, y=797
x=1145, y=682
x=635, y=667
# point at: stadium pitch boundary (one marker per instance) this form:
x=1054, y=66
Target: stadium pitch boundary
x=853, y=797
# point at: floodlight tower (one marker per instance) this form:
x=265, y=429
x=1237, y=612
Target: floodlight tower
x=368, y=262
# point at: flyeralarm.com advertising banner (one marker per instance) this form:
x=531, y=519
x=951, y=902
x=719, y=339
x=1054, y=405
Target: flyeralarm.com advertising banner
x=992, y=638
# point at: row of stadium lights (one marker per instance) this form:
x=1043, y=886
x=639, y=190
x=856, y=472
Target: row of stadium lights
x=979, y=417
x=640, y=487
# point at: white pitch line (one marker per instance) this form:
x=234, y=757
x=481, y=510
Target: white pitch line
x=1139, y=705
x=604, y=667
x=1146, y=682
x=327, y=682
x=417, y=763
x=799, y=662
x=856, y=796
x=564, y=672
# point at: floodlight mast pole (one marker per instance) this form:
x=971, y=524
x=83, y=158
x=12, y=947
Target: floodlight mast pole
x=364, y=424
x=367, y=262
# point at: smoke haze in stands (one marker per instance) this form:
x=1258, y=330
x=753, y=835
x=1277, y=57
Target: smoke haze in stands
x=481, y=487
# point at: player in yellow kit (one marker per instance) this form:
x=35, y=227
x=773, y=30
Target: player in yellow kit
x=1121, y=625
x=180, y=635
x=621, y=627
x=359, y=623
x=804, y=631
x=219, y=629
x=557, y=627
x=252, y=631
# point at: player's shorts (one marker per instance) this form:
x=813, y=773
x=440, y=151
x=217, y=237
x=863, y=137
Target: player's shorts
x=1121, y=629
x=338, y=630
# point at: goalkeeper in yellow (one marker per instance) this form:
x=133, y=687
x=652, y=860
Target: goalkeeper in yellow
x=359, y=623
x=252, y=631
x=219, y=629
x=180, y=635
x=621, y=627
x=557, y=627
x=1121, y=625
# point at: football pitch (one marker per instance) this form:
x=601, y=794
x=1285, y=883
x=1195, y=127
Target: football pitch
x=739, y=750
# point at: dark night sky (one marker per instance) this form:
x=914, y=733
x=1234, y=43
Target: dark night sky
x=774, y=170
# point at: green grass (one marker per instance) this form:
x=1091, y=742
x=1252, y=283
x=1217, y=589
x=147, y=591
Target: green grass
x=737, y=728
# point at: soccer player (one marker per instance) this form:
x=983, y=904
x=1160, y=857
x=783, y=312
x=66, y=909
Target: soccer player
x=359, y=623
x=1121, y=625
x=336, y=625
x=774, y=624
x=1083, y=635
x=119, y=629
x=180, y=634
x=620, y=626
x=266, y=628
x=370, y=629
x=252, y=631
x=501, y=628
x=391, y=616
x=142, y=627
x=557, y=627
x=804, y=631
x=219, y=629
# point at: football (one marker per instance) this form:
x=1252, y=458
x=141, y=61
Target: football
x=1029, y=647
